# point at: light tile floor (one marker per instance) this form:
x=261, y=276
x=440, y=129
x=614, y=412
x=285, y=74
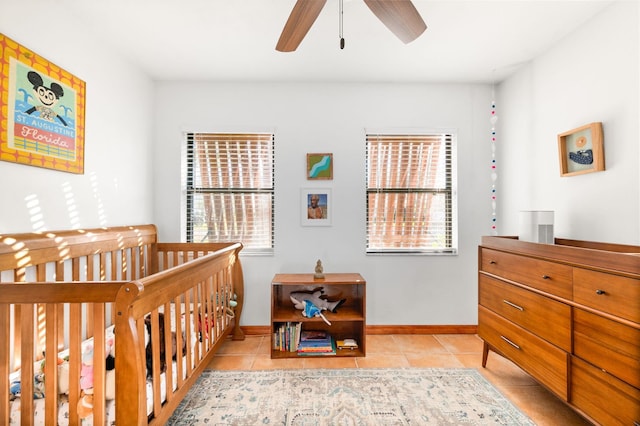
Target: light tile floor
x=437, y=350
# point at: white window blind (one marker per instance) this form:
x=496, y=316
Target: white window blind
x=230, y=189
x=411, y=206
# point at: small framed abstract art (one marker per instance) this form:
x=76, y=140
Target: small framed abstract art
x=319, y=166
x=42, y=110
x=315, y=206
x=581, y=150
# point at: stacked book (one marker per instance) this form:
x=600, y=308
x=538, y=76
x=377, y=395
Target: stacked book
x=314, y=343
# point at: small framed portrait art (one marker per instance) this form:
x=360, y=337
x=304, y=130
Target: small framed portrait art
x=581, y=150
x=316, y=207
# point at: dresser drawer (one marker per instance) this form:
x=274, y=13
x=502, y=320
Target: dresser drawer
x=549, y=277
x=542, y=316
x=608, y=345
x=601, y=396
x=616, y=295
x=544, y=361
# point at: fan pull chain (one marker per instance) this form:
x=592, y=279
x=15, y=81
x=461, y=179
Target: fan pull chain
x=341, y=24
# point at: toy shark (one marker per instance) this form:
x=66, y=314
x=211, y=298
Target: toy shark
x=316, y=297
x=310, y=310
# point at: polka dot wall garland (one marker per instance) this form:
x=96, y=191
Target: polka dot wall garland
x=494, y=172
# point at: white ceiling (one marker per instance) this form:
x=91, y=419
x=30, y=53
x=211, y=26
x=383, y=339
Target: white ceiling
x=234, y=40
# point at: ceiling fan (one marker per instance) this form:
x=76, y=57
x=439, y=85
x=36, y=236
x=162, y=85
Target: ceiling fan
x=399, y=16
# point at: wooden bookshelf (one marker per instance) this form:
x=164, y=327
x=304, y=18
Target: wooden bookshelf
x=349, y=320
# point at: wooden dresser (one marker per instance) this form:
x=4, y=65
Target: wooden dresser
x=569, y=315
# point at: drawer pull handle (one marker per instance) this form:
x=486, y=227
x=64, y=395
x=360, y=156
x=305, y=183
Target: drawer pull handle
x=492, y=262
x=510, y=342
x=513, y=305
x=546, y=277
x=600, y=292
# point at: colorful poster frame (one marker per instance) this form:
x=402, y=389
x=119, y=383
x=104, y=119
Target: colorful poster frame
x=42, y=111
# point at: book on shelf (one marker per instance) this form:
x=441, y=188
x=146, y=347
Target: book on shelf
x=328, y=348
x=316, y=351
x=314, y=336
x=312, y=343
x=315, y=341
x=286, y=337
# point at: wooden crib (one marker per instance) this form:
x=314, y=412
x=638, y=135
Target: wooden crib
x=61, y=290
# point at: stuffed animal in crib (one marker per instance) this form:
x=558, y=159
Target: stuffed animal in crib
x=110, y=365
x=15, y=388
x=174, y=344
x=85, y=403
x=317, y=297
x=86, y=371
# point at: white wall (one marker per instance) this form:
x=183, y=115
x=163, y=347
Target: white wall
x=116, y=187
x=332, y=118
x=132, y=159
x=593, y=75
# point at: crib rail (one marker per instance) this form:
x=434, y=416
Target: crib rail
x=168, y=255
x=200, y=294
x=117, y=254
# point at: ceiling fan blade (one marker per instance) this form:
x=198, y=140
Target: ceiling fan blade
x=400, y=16
x=302, y=17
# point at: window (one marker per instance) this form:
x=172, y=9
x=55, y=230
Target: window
x=411, y=203
x=230, y=189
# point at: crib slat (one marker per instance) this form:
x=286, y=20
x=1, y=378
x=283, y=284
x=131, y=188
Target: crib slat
x=190, y=318
x=75, y=359
x=155, y=353
x=51, y=364
x=5, y=361
x=117, y=257
x=211, y=309
x=90, y=276
x=99, y=358
x=133, y=264
x=26, y=376
x=203, y=321
x=168, y=353
x=60, y=276
x=41, y=276
x=141, y=264
x=18, y=276
x=180, y=339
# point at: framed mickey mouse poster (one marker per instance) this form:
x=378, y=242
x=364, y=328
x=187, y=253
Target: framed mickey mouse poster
x=42, y=110
x=581, y=150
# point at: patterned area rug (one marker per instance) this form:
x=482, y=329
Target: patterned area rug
x=412, y=396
